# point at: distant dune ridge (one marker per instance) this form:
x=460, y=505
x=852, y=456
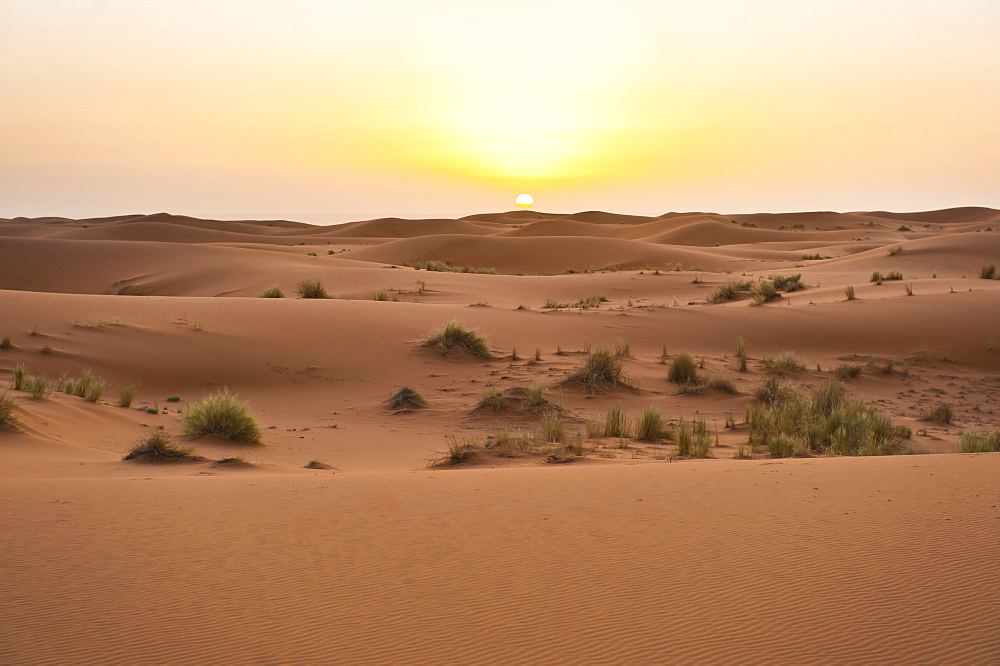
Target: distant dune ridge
x=332, y=540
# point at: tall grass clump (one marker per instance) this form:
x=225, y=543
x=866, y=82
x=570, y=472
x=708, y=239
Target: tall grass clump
x=127, y=394
x=650, y=427
x=534, y=396
x=941, y=414
x=720, y=382
x=8, y=417
x=221, y=415
x=988, y=272
x=18, y=376
x=274, y=291
x=894, y=250
x=683, y=369
x=5, y=342
x=974, y=441
x=311, y=289
x=406, y=398
x=88, y=386
x=460, y=450
x=38, y=386
x=741, y=354
x=769, y=391
x=728, y=291
x=847, y=371
x=825, y=419
x=552, y=429
x=787, y=283
x=617, y=423
x=494, y=400
x=764, y=292
x=849, y=292
x=702, y=440
x=603, y=369
x=455, y=335
x=785, y=364
x=156, y=447
x=684, y=439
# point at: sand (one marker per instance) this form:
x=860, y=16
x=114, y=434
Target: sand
x=625, y=555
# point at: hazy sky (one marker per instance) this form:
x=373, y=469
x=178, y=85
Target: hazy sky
x=329, y=110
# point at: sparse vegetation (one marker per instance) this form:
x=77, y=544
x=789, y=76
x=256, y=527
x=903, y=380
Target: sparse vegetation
x=406, y=398
x=317, y=464
x=221, y=415
x=814, y=257
x=127, y=394
x=764, y=292
x=156, y=447
x=785, y=364
x=383, y=295
x=893, y=251
x=728, y=291
x=18, y=376
x=988, y=272
x=769, y=391
x=5, y=342
x=617, y=423
x=534, y=397
x=38, y=386
x=446, y=267
x=975, y=441
x=8, y=417
x=741, y=354
x=88, y=386
x=311, y=289
x=650, y=427
x=683, y=369
x=787, y=283
x=847, y=371
x=459, y=451
x=943, y=413
x=552, y=428
x=603, y=369
x=592, y=301
x=720, y=382
x=621, y=347
x=849, y=292
x=455, y=335
x=494, y=400
x=909, y=289
x=274, y=291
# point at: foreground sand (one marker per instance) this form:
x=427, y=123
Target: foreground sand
x=621, y=557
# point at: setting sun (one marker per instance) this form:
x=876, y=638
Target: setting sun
x=524, y=200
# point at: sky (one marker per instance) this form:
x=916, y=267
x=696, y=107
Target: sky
x=328, y=111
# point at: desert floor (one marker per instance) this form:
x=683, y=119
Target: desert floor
x=630, y=553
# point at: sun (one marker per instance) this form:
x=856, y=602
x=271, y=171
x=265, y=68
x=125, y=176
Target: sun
x=524, y=200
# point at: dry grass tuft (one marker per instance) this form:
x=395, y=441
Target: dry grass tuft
x=221, y=415
x=311, y=289
x=650, y=426
x=494, y=400
x=785, y=364
x=617, y=423
x=940, y=414
x=317, y=464
x=741, y=354
x=455, y=335
x=974, y=441
x=846, y=371
x=8, y=417
x=406, y=398
x=683, y=369
x=156, y=447
x=602, y=370
x=127, y=394
x=274, y=291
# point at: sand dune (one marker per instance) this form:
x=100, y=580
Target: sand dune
x=633, y=553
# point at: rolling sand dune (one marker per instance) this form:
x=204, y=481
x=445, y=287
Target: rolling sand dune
x=632, y=553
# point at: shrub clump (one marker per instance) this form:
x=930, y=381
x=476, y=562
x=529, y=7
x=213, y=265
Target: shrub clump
x=221, y=415
x=274, y=291
x=8, y=418
x=728, y=291
x=683, y=369
x=156, y=447
x=787, y=283
x=650, y=427
x=311, y=289
x=741, y=354
x=88, y=386
x=406, y=398
x=455, y=335
x=617, y=423
x=127, y=394
x=988, y=272
x=5, y=342
x=446, y=267
x=603, y=369
x=847, y=371
x=785, y=364
x=494, y=400
x=941, y=414
x=974, y=441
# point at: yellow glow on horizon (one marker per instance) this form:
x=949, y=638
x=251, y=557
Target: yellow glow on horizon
x=524, y=200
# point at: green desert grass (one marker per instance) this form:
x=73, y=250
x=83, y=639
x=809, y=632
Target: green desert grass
x=406, y=398
x=455, y=335
x=787, y=283
x=728, y=291
x=764, y=292
x=769, y=391
x=650, y=426
x=38, y=386
x=846, y=371
x=823, y=420
x=493, y=399
x=785, y=364
x=221, y=415
x=683, y=369
x=156, y=447
x=274, y=291
x=617, y=423
x=941, y=414
x=8, y=413
x=88, y=386
x=975, y=441
x=720, y=382
x=17, y=377
x=127, y=394
x=603, y=369
x=534, y=396
x=311, y=289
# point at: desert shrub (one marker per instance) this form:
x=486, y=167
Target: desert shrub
x=876, y=277
x=17, y=377
x=847, y=371
x=127, y=394
x=383, y=295
x=5, y=342
x=728, y=291
x=534, y=396
x=849, y=292
x=974, y=441
x=702, y=440
x=552, y=428
x=446, y=267
x=720, y=382
x=683, y=369
x=592, y=301
x=826, y=419
x=893, y=251
x=406, y=398
x=8, y=417
x=941, y=414
x=494, y=400
x=684, y=439
x=156, y=447
x=460, y=449
x=741, y=354
x=617, y=423
x=318, y=464
x=274, y=291
x=988, y=272
x=88, y=386
x=38, y=386
x=455, y=335
x=129, y=290
x=621, y=347
x=764, y=292
x=221, y=415
x=909, y=289
x=814, y=257
x=603, y=369
x=769, y=391
x=893, y=275
x=785, y=364
x=787, y=283
x=650, y=427
x=311, y=289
